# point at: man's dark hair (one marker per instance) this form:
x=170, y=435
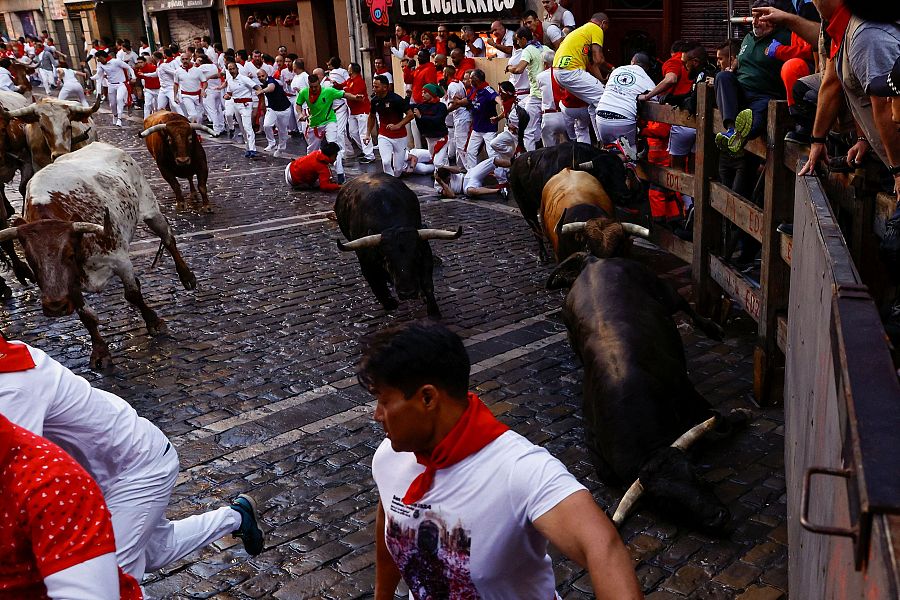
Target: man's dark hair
x=5, y=62
x=507, y=86
x=330, y=149
x=698, y=52
x=479, y=74
x=334, y=62
x=242, y=54
x=529, y=13
x=525, y=33
x=206, y=39
x=643, y=60
x=101, y=54
x=381, y=79
x=879, y=12
x=424, y=57
x=734, y=45
x=313, y=79
x=413, y=354
x=355, y=67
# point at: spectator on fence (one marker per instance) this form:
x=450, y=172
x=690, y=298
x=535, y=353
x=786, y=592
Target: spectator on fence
x=474, y=44
x=440, y=40
x=381, y=69
x=743, y=95
x=401, y=41
x=727, y=53
x=617, y=109
x=557, y=23
x=501, y=40
x=390, y=113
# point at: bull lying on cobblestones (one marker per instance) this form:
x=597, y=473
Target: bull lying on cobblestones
x=531, y=171
x=573, y=204
x=68, y=248
x=638, y=400
x=380, y=216
x=176, y=148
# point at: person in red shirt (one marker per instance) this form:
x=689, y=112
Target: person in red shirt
x=421, y=76
x=56, y=535
x=461, y=62
x=440, y=40
x=311, y=171
x=359, y=112
x=676, y=83
x=145, y=69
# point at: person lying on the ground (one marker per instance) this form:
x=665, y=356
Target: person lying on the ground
x=131, y=460
x=313, y=170
x=456, y=181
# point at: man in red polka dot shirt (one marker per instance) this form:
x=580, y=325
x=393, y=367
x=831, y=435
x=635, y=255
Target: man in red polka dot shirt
x=56, y=537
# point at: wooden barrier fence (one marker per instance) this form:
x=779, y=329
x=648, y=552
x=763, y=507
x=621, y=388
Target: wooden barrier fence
x=717, y=283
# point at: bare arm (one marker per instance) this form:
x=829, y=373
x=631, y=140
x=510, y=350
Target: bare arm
x=582, y=532
x=808, y=30
x=596, y=60
x=887, y=129
x=519, y=67
x=387, y=575
x=667, y=83
x=826, y=113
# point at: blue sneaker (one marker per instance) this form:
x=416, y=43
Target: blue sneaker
x=250, y=154
x=249, y=531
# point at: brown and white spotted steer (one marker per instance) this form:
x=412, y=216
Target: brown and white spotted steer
x=68, y=248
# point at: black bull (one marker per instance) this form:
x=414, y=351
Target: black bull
x=531, y=171
x=637, y=396
x=381, y=218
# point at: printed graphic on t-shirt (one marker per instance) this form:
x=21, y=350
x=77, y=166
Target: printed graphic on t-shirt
x=433, y=557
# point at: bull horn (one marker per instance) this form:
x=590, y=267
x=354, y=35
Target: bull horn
x=82, y=227
x=10, y=233
x=81, y=137
x=203, y=128
x=439, y=234
x=687, y=439
x=369, y=241
x=83, y=111
x=586, y=166
x=153, y=129
x=20, y=112
x=570, y=228
x=632, y=229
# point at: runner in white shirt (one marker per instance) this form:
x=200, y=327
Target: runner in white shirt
x=240, y=89
x=165, y=70
x=466, y=504
x=131, y=460
x=419, y=161
x=212, y=96
x=114, y=71
x=71, y=87
x=299, y=81
x=189, y=84
x=462, y=118
x=127, y=55
x=6, y=78
x=208, y=49
x=617, y=109
x=336, y=78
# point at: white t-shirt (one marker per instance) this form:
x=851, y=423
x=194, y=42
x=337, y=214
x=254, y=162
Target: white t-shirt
x=128, y=57
x=249, y=69
x=300, y=82
x=519, y=80
x=477, y=519
x=506, y=41
x=241, y=86
x=114, y=70
x=478, y=43
x=546, y=84
x=209, y=71
x=625, y=84
x=337, y=76
x=166, y=72
x=457, y=90
x=98, y=429
x=554, y=33
x=210, y=53
x=189, y=81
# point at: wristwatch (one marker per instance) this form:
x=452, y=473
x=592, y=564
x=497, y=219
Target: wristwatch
x=814, y=139
x=894, y=170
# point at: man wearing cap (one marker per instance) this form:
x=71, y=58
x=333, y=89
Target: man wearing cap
x=466, y=504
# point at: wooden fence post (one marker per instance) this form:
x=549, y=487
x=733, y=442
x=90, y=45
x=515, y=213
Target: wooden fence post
x=778, y=207
x=707, y=221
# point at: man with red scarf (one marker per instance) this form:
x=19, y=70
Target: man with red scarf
x=467, y=505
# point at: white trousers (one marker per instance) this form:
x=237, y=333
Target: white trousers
x=212, y=104
x=475, y=176
x=166, y=99
x=533, y=131
x=578, y=123
x=282, y=119
x=329, y=133
x=461, y=128
x=145, y=539
x=476, y=138
x=73, y=91
x=243, y=113
x=584, y=86
x=357, y=126
x=415, y=133
x=439, y=147
x=192, y=107
x=118, y=95
x=393, y=154
x=48, y=78
x=504, y=146
x=553, y=127
x=151, y=99
x=343, y=118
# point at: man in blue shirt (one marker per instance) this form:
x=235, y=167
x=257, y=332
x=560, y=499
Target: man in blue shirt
x=483, y=102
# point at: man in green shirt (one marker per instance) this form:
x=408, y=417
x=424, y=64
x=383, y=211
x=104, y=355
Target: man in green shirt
x=755, y=81
x=534, y=62
x=322, y=118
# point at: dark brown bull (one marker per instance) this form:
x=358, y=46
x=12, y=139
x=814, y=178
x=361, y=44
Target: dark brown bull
x=21, y=76
x=55, y=127
x=175, y=145
x=14, y=157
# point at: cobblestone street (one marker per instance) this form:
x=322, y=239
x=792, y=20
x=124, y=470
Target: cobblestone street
x=255, y=385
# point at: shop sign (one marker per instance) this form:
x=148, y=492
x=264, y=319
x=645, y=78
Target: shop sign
x=389, y=12
x=163, y=5
x=57, y=9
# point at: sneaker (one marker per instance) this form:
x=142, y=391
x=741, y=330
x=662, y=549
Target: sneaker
x=270, y=147
x=249, y=532
x=367, y=159
x=118, y=122
x=250, y=154
x=277, y=154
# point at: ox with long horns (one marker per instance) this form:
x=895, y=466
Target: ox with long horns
x=68, y=248
x=55, y=127
x=638, y=400
x=176, y=148
x=380, y=216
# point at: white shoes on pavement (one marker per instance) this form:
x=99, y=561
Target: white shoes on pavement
x=118, y=122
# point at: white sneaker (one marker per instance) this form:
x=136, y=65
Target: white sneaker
x=118, y=122
x=277, y=154
x=270, y=147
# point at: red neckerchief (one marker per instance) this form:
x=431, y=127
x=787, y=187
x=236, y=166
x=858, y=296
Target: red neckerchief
x=14, y=357
x=381, y=71
x=476, y=428
x=837, y=27
x=311, y=99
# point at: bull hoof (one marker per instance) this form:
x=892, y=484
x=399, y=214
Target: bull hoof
x=390, y=304
x=180, y=205
x=158, y=327
x=188, y=281
x=206, y=209
x=23, y=273
x=100, y=359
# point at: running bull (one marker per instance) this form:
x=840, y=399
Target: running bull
x=641, y=411
x=531, y=171
x=68, y=248
x=381, y=218
x=56, y=127
x=175, y=145
x=575, y=209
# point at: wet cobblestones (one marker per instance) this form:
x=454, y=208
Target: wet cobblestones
x=255, y=385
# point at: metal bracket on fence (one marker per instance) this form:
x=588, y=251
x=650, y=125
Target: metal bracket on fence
x=851, y=532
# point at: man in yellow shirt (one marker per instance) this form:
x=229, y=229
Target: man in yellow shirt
x=579, y=62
